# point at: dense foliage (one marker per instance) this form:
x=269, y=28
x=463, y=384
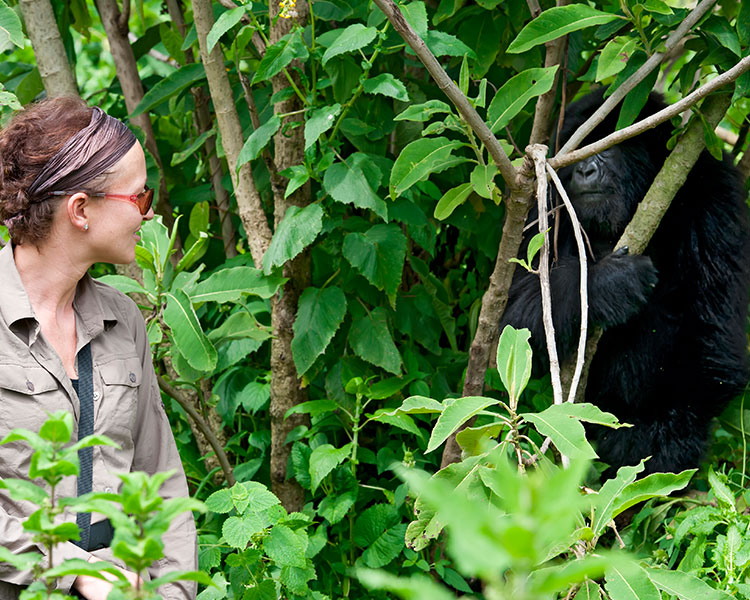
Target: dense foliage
x=356, y=320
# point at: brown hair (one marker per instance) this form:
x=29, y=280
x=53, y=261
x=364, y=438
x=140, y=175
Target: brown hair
x=58, y=144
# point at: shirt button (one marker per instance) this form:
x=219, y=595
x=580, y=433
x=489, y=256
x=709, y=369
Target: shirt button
x=30, y=386
x=97, y=395
x=108, y=490
x=132, y=377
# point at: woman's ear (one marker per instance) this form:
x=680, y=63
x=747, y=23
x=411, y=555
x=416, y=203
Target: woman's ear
x=78, y=208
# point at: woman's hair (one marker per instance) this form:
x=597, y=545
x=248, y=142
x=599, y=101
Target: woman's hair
x=59, y=144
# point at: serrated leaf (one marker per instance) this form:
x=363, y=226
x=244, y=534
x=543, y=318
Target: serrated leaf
x=297, y=230
x=379, y=255
x=352, y=38
x=451, y=200
x=347, y=183
x=280, y=54
x=420, y=159
x=229, y=285
x=286, y=547
x=258, y=140
x=187, y=331
x=386, y=84
x=238, y=531
x=224, y=23
x=325, y=459
x=454, y=415
x=320, y=121
x=220, y=501
x=514, y=360
x=170, y=87
x=320, y=313
x=378, y=530
x=722, y=492
x=516, y=92
x=371, y=340
x=556, y=22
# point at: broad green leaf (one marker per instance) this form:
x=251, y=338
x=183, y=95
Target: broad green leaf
x=418, y=405
x=421, y=158
x=412, y=587
x=423, y=112
x=238, y=531
x=347, y=183
x=240, y=325
x=516, y=92
x=514, y=360
x=169, y=87
x=743, y=23
x=482, y=179
x=188, y=334
x=615, y=56
x=451, y=200
x=320, y=121
x=125, y=284
x=631, y=583
x=565, y=431
x=454, y=415
x=535, y=244
x=371, y=340
x=605, y=502
x=312, y=408
x=651, y=486
x=721, y=29
x=220, y=501
x=352, y=38
x=183, y=155
x=378, y=530
x=684, y=585
x=722, y=492
x=445, y=44
x=320, y=313
x=589, y=590
x=333, y=508
x=415, y=14
x=199, y=220
x=280, y=55
x=11, y=32
x=194, y=253
x=298, y=175
x=473, y=440
x=26, y=560
x=556, y=22
x=297, y=230
x=379, y=255
x=386, y=84
x=223, y=24
x=258, y=140
x=589, y=413
x=23, y=489
x=228, y=285
x=325, y=459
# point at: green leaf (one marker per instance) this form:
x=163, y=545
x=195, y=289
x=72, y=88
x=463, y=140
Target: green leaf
x=482, y=180
x=445, y=44
x=516, y=92
x=169, y=87
x=386, y=84
x=421, y=158
x=325, y=459
x=125, y=284
x=280, y=55
x=229, y=285
x=312, y=408
x=320, y=121
x=194, y=253
x=223, y=24
x=514, y=360
x=605, y=502
x=652, y=486
x=26, y=560
x=258, y=140
x=722, y=492
x=297, y=230
x=220, y=501
x=451, y=200
x=320, y=313
x=23, y=489
x=347, y=183
x=298, y=175
x=423, y=112
x=589, y=590
x=474, y=440
x=684, y=585
x=631, y=583
x=371, y=339
x=238, y=531
x=565, y=431
x=535, y=244
x=454, y=415
x=379, y=532
x=556, y=22
x=183, y=155
x=11, y=32
x=188, y=334
x=379, y=255
x=240, y=325
x=352, y=38
x=615, y=56
x=418, y=405
x=413, y=587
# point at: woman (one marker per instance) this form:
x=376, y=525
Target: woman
x=72, y=193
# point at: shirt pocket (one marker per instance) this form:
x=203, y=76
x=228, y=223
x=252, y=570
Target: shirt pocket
x=27, y=394
x=116, y=413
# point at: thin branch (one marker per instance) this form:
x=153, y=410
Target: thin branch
x=258, y=42
x=564, y=159
x=584, y=291
x=534, y=8
x=203, y=426
x=450, y=89
x=652, y=63
x=124, y=17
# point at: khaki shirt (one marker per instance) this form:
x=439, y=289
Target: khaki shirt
x=127, y=409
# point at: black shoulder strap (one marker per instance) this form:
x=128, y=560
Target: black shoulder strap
x=85, y=428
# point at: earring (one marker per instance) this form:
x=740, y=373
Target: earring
x=86, y=227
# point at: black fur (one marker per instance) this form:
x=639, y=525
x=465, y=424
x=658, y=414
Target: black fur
x=673, y=352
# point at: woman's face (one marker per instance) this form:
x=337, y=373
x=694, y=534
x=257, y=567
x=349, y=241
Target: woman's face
x=114, y=224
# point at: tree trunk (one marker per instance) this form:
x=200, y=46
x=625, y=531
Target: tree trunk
x=286, y=388
x=248, y=200
x=116, y=28
x=48, y=47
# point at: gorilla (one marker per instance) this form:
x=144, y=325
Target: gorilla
x=674, y=347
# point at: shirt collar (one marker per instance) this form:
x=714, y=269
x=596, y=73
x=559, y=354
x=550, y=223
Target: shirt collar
x=14, y=302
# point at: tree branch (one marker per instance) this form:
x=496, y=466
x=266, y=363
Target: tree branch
x=203, y=426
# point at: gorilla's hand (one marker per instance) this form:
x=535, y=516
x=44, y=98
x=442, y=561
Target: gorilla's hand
x=619, y=286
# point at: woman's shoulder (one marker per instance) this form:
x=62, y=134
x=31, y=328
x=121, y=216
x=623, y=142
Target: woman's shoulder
x=112, y=299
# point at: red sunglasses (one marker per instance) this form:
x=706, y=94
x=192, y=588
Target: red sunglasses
x=143, y=200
